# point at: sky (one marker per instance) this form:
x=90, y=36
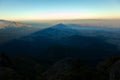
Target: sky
x=59, y=9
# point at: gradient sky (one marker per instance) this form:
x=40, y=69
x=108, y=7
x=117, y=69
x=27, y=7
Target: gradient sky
x=59, y=9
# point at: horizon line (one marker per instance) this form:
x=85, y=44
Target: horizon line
x=62, y=19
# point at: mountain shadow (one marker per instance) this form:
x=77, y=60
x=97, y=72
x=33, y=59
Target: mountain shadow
x=61, y=41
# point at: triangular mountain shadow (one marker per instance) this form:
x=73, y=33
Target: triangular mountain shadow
x=58, y=42
x=60, y=25
x=54, y=32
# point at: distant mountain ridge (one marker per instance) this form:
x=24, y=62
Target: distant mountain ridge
x=7, y=24
x=10, y=30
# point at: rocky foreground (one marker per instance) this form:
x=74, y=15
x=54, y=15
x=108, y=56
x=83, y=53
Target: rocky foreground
x=24, y=68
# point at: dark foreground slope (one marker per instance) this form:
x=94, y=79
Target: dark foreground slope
x=27, y=68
